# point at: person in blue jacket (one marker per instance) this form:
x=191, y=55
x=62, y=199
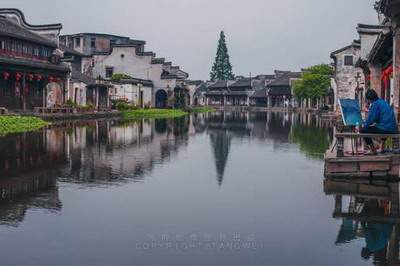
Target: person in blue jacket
x=381, y=118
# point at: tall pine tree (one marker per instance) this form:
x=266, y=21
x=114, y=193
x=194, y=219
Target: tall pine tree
x=222, y=68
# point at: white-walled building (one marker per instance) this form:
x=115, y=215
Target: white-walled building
x=106, y=55
x=347, y=77
x=134, y=91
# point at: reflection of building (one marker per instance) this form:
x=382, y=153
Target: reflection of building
x=28, y=173
x=92, y=152
x=112, y=151
x=372, y=213
x=13, y=212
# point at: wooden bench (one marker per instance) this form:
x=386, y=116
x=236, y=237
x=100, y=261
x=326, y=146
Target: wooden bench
x=54, y=110
x=354, y=136
x=3, y=111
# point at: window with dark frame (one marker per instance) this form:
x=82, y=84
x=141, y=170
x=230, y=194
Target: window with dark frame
x=78, y=42
x=348, y=60
x=93, y=42
x=109, y=72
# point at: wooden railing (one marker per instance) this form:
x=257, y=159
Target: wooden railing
x=342, y=136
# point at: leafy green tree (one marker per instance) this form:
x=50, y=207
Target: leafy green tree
x=222, y=68
x=315, y=82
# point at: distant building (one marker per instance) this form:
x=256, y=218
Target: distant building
x=199, y=96
x=216, y=92
x=280, y=93
x=262, y=90
x=106, y=55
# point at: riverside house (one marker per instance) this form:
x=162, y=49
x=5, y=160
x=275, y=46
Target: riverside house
x=373, y=61
x=280, y=93
x=31, y=72
x=384, y=58
x=106, y=55
x=348, y=76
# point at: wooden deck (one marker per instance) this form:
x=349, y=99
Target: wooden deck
x=340, y=164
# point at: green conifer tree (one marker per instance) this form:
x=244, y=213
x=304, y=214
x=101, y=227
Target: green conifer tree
x=222, y=68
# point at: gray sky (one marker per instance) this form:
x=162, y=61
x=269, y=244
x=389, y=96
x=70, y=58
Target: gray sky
x=262, y=35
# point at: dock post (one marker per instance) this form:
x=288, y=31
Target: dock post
x=396, y=145
x=340, y=147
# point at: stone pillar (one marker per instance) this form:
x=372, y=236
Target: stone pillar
x=396, y=69
x=376, y=82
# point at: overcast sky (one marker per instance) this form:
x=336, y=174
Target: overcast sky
x=262, y=35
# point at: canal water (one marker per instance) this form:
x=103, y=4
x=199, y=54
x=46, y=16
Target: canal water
x=210, y=189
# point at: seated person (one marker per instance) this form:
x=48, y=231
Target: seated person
x=381, y=119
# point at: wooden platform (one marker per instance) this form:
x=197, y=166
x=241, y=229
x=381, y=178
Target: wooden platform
x=380, y=166
x=386, y=166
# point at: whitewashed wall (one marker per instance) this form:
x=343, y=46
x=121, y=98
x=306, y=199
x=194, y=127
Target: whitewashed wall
x=345, y=77
x=131, y=92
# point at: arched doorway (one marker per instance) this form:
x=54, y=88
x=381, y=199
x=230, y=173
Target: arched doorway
x=161, y=99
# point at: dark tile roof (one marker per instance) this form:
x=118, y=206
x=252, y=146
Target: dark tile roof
x=11, y=29
x=222, y=84
x=242, y=83
x=77, y=76
x=194, y=82
x=280, y=91
x=263, y=76
x=201, y=89
x=136, y=81
x=284, y=80
x=371, y=29
x=382, y=44
x=33, y=64
x=158, y=61
x=71, y=51
x=260, y=94
x=354, y=44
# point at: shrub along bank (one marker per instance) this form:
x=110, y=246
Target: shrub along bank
x=153, y=113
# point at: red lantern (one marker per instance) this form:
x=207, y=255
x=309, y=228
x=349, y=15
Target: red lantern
x=30, y=77
x=18, y=76
x=6, y=75
x=386, y=76
x=39, y=77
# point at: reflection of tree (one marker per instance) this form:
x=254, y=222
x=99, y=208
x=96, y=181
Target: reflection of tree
x=313, y=141
x=221, y=143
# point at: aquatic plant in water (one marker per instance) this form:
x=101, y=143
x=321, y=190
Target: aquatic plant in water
x=19, y=124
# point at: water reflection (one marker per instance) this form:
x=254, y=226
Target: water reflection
x=112, y=152
x=368, y=211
